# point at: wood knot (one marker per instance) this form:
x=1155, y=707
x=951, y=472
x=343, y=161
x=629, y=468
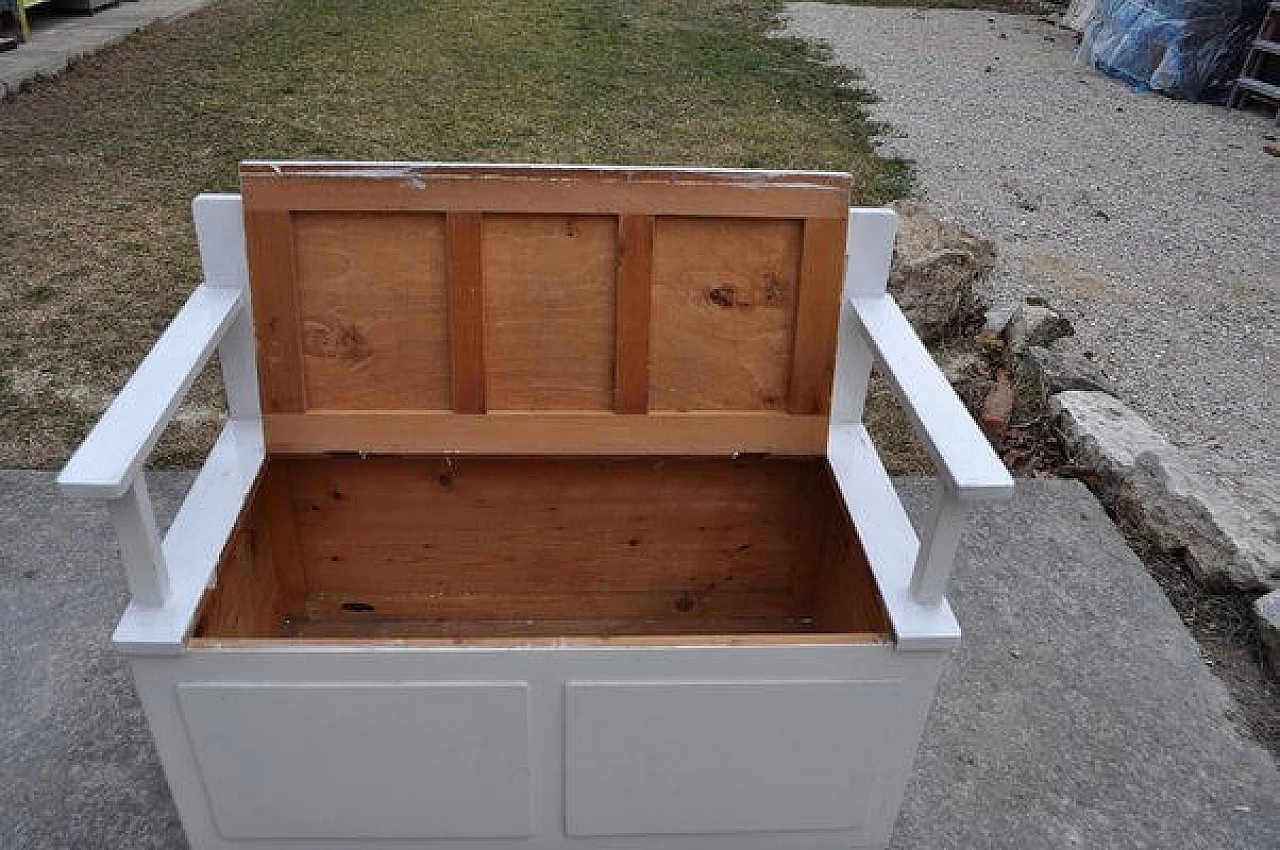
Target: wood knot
x=342, y=342
x=773, y=292
x=723, y=296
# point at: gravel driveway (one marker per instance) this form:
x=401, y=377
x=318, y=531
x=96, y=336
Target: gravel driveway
x=1154, y=224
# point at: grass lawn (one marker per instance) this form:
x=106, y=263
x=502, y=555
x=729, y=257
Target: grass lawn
x=100, y=164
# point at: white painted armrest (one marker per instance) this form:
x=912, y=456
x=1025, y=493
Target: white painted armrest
x=967, y=465
x=166, y=575
x=107, y=462
x=966, y=461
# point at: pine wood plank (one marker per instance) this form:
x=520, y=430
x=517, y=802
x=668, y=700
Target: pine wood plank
x=572, y=525
x=817, y=316
x=549, y=311
x=245, y=600
x=635, y=279
x=460, y=564
x=466, y=312
x=554, y=190
x=497, y=634
x=819, y=500
x=569, y=432
x=373, y=310
x=717, y=629
x=846, y=595
x=278, y=531
x=688, y=606
x=724, y=303
x=270, y=250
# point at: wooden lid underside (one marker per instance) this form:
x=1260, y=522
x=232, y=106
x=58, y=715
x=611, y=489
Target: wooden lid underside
x=413, y=308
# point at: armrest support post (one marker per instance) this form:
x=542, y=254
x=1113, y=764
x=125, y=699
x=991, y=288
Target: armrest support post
x=140, y=549
x=938, y=546
x=965, y=460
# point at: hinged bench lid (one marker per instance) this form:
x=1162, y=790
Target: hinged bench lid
x=414, y=308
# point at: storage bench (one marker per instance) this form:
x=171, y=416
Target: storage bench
x=544, y=516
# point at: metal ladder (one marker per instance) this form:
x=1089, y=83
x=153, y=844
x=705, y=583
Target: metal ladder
x=1250, y=84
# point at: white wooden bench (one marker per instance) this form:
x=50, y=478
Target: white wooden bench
x=518, y=686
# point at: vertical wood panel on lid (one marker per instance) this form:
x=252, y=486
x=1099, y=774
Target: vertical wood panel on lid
x=372, y=304
x=635, y=272
x=549, y=311
x=270, y=250
x=724, y=298
x=466, y=312
x=817, y=316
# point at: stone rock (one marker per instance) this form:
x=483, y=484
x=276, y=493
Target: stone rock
x=1058, y=368
x=934, y=266
x=1229, y=534
x=1032, y=325
x=969, y=375
x=1267, y=610
x=997, y=319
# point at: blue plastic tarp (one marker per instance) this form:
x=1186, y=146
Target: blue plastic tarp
x=1190, y=49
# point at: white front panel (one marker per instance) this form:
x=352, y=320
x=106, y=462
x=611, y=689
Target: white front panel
x=406, y=760
x=647, y=758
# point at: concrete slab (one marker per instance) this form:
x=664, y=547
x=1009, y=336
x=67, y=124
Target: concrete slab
x=58, y=37
x=1078, y=713
x=78, y=768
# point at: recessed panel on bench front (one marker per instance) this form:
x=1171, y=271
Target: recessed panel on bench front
x=362, y=761
x=578, y=294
